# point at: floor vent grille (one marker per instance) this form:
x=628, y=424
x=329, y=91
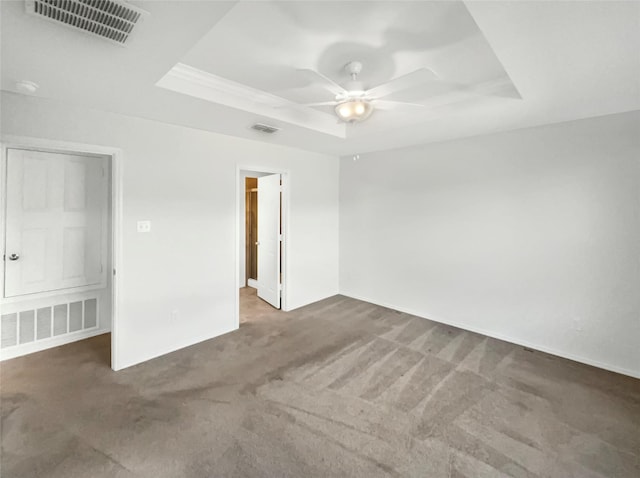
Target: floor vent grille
x=112, y=20
x=36, y=324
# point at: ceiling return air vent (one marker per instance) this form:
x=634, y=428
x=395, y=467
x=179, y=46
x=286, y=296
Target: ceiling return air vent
x=265, y=128
x=113, y=20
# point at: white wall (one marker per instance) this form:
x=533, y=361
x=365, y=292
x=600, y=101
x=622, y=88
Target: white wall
x=184, y=182
x=242, y=198
x=532, y=236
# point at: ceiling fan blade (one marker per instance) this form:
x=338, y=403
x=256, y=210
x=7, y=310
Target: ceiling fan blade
x=415, y=78
x=329, y=84
x=392, y=105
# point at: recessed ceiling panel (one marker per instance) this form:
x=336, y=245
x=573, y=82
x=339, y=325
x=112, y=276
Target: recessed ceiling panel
x=263, y=44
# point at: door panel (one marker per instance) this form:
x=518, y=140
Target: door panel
x=73, y=253
x=34, y=183
x=34, y=246
x=56, y=221
x=269, y=239
x=75, y=188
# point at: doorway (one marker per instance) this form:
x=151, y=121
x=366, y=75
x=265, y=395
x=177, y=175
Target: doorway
x=261, y=243
x=56, y=284
x=251, y=232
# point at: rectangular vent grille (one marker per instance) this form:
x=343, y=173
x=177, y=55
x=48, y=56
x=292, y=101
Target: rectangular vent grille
x=265, y=128
x=36, y=324
x=112, y=20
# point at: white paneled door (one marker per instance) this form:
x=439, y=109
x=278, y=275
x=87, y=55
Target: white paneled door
x=56, y=222
x=269, y=239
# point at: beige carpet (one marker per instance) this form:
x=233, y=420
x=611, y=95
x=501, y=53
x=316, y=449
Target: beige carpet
x=337, y=389
x=252, y=308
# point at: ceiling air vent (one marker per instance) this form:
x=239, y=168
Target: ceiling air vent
x=112, y=20
x=265, y=128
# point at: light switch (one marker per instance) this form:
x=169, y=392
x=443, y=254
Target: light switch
x=144, y=226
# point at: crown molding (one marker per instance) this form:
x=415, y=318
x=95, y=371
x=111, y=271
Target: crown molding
x=194, y=82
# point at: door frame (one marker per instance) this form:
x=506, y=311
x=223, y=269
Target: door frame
x=285, y=211
x=117, y=158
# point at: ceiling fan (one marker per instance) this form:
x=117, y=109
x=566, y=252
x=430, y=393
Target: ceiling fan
x=353, y=103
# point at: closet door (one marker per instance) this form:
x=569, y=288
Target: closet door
x=56, y=207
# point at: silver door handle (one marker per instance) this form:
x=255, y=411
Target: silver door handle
x=14, y=257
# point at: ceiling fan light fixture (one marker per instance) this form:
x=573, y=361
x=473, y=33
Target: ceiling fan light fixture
x=355, y=110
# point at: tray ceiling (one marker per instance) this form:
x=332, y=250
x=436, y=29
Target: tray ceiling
x=272, y=40
x=229, y=63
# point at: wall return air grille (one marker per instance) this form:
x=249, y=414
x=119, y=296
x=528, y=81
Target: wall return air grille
x=48, y=322
x=112, y=20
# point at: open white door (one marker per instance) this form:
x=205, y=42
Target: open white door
x=269, y=239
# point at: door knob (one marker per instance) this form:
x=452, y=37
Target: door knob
x=257, y=243
x=14, y=257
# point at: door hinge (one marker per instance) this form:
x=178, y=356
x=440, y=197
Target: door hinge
x=280, y=237
x=280, y=287
x=114, y=272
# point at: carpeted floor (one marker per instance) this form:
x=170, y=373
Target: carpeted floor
x=252, y=308
x=340, y=388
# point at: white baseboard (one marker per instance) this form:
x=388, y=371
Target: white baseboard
x=48, y=343
x=541, y=348
x=252, y=283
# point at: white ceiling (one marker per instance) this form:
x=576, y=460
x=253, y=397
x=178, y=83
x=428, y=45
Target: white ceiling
x=272, y=40
x=516, y=64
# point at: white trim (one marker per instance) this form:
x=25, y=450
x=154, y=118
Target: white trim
x=117, y=155
x=494, y=335
x=63, y=298
x=252, y=283
x=117, y=263
x=236, y=274
x=225, y=86
x=191, y=81
x=52, y=293
x=286, y=179
x=3, y=213
x=50, y=342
